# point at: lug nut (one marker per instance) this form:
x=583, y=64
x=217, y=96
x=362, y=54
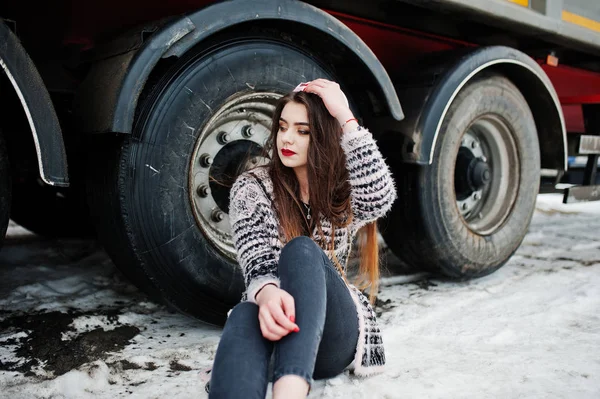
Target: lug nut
x=223, y=138
x=203, y=190
x=206, y=160
x=248, y=131
x=217, y=216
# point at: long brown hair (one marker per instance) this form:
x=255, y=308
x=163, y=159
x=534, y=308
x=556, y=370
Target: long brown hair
x=329, y=189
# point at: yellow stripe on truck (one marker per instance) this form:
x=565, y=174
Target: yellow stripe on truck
x=581, y=21
x=524, y=3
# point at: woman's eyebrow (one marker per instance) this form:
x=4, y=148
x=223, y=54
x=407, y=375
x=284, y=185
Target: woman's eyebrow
x=297, y=123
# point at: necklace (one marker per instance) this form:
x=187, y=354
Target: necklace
x=307, y=210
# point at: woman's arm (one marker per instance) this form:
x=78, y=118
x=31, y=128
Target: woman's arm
x=252, y=235
x=372, y=187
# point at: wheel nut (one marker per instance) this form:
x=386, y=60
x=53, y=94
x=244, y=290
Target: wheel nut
x=217, y=216
x=223, y=138
x=203, y=191
x=206, y=160
x=248, y=131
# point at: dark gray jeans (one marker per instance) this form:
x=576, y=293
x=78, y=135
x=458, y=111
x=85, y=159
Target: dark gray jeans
x=323, y=347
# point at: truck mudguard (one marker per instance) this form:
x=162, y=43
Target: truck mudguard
x=440, y=79
x=36, y=102
x=111, y=107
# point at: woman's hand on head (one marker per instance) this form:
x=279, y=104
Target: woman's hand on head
x=334, y=99
x=276, y=313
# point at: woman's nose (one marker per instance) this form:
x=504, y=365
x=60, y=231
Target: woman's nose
x=288, y=138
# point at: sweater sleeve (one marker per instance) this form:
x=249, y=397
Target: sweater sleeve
x=372, y=187
x=253, y=234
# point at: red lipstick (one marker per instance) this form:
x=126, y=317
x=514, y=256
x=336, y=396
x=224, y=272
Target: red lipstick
x=287, y=153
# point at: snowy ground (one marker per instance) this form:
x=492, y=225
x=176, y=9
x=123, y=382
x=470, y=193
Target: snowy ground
x=72, y=327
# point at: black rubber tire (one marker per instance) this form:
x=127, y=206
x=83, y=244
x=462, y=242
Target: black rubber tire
x=5, y=189
x=51, y=212
x=144, y=218
x=425, y=228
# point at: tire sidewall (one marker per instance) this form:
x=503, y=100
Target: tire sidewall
x=465, y=253
x=163, y=231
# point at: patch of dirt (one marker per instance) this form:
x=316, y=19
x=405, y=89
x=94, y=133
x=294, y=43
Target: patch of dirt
x=425, y=284
x=176, y=366
x=581, y=262
x=383, y=306
x=127, y=365
x=43, y=346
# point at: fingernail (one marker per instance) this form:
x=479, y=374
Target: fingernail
x=293, y=318
x=296, y=329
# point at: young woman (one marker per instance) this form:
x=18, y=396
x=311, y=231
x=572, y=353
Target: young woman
x=293, y=223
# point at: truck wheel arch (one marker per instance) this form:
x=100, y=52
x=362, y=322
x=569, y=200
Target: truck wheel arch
x=127, y=74
x=462, y=67
x=37, y=105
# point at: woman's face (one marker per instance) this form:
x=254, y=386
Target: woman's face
x=293, y=135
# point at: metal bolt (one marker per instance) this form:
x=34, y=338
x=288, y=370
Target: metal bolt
x=223, y=138
x=217, y=216
x=203, y=190
x=248, y=131
x=206, y=160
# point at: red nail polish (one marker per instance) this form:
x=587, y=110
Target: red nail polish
x=296, y=329
x=293, y=318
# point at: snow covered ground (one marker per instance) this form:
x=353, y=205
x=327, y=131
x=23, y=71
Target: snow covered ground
x=72, y=327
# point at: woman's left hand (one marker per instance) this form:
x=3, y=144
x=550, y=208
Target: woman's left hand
x=334, y=99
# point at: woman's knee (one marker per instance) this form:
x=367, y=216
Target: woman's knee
x=244, y=314
x=301, y=247
x=300, y=255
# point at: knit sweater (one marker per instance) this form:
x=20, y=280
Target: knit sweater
x=254, y=226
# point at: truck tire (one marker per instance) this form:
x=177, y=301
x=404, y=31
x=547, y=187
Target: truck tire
x=464, y=215
x=161, y=204
x=5, y=189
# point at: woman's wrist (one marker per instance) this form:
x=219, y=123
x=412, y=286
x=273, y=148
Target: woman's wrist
x=347, y=121
x=263, y=289
x=344, y=116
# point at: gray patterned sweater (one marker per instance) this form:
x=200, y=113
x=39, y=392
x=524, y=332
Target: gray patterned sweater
x=255, y=232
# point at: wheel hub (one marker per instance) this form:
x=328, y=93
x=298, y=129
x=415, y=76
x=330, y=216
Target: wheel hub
x=471, y=174
x=480, y=174
x=485, y=175
x=230, y=142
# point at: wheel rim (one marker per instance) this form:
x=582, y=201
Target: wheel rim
x=230, y=142
x=486, y=175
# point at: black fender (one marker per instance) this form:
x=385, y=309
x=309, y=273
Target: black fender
x=442, y=76
x=36, y=102
x=108, y=97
